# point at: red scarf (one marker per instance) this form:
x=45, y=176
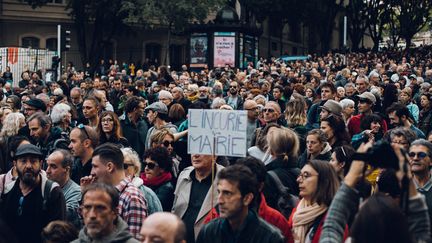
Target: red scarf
x=159, y=180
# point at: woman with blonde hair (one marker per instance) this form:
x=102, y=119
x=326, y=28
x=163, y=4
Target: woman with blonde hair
x=12, y=123
x=283, y=146
x=132, y=166
x=296, y=118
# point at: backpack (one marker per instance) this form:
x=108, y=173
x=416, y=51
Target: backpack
x=46, y=184
x=286, y=201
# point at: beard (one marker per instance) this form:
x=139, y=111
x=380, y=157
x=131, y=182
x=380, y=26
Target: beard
x=28, y=176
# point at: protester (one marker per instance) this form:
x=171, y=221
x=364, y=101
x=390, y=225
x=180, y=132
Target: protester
x=132, y=165
x=163, y=226
x=59, y=165
x=109, y=129
x=100, y=214
x=318, y=185
x=317, y=147
x=237, y=188
x=108, y=168
x=157, y=175
x=29, y=195
x=194, y=194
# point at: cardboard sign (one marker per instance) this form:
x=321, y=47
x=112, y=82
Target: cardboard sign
x=223, y=131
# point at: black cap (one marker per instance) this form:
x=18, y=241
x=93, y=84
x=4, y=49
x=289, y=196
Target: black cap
x=28, y=149
x=36, y=103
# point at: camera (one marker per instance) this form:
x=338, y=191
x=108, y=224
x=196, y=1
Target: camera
x=381, y=155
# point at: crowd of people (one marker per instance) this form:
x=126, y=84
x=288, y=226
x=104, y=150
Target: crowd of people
x=102, y=156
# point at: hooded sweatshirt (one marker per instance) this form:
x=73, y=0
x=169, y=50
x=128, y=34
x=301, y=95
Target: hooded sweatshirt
x=119, y=235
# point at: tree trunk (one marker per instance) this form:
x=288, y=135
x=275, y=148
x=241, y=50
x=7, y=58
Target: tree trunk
x=408, y=41
x=167, y=53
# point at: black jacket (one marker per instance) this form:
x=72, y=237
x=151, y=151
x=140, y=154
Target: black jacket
x=253, y=230
x=135, y=135
x=287, y=172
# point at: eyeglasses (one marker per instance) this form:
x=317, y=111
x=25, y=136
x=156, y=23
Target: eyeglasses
x=420, y=155
x=269, y=110
x=126, y=166
x=252, y=109
x=305, y=175
x=20, y=206
x=235, y=87
x=168, y=143
x=151, y=166
x=82, y=128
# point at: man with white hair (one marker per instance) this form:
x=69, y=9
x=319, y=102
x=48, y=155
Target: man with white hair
x=166, y=98
x=178, y=97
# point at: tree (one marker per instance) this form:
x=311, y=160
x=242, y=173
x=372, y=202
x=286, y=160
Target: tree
x=96, y=22
x=320, y=17
x=413, y=16
x=174, y=15
x=356, y=11
x=377, y=15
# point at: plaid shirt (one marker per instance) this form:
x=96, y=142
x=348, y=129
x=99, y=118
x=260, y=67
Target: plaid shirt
x=132, y=206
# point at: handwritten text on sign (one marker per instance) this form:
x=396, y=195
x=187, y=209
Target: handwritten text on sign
x=223, y=130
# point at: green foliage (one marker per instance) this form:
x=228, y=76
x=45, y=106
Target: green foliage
x=177, y=14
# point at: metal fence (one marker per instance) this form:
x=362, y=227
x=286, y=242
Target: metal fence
x=23, y=59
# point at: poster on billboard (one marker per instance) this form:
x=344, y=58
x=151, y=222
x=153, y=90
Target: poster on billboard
x=224, y=51
x=198, y=50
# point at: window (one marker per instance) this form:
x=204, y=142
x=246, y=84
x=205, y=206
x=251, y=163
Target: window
x=51, y=44
x=32, y=42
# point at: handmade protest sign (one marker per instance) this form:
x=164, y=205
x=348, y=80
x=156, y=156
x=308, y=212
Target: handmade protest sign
x=223, y=131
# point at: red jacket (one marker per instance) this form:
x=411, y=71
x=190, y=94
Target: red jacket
x=317, y=235
x=354, y=125
x=270, y=215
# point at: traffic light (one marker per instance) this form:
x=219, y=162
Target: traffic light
x=55, y=62
x=65, y=40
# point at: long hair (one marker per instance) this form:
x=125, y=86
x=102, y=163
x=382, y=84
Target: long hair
x=328, y=182
x=339, y=128
x=116, y=131
x=283, y=143
x=295, y=112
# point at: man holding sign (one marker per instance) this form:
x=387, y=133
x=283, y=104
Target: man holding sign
x=194, y=196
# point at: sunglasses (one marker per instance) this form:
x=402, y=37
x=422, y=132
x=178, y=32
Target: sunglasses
x=151, y=166
x=168, y=143
x=269, y=110
x=420, y=155
x=82, y=128
x=126, y=166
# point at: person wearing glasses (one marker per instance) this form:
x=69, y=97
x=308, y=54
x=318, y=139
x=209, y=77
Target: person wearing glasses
x=318, y=184
x=420, y=160
x=29, y=195
x=132, y=167
x=157, y=175
x=109, y=129
x=101, y=220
